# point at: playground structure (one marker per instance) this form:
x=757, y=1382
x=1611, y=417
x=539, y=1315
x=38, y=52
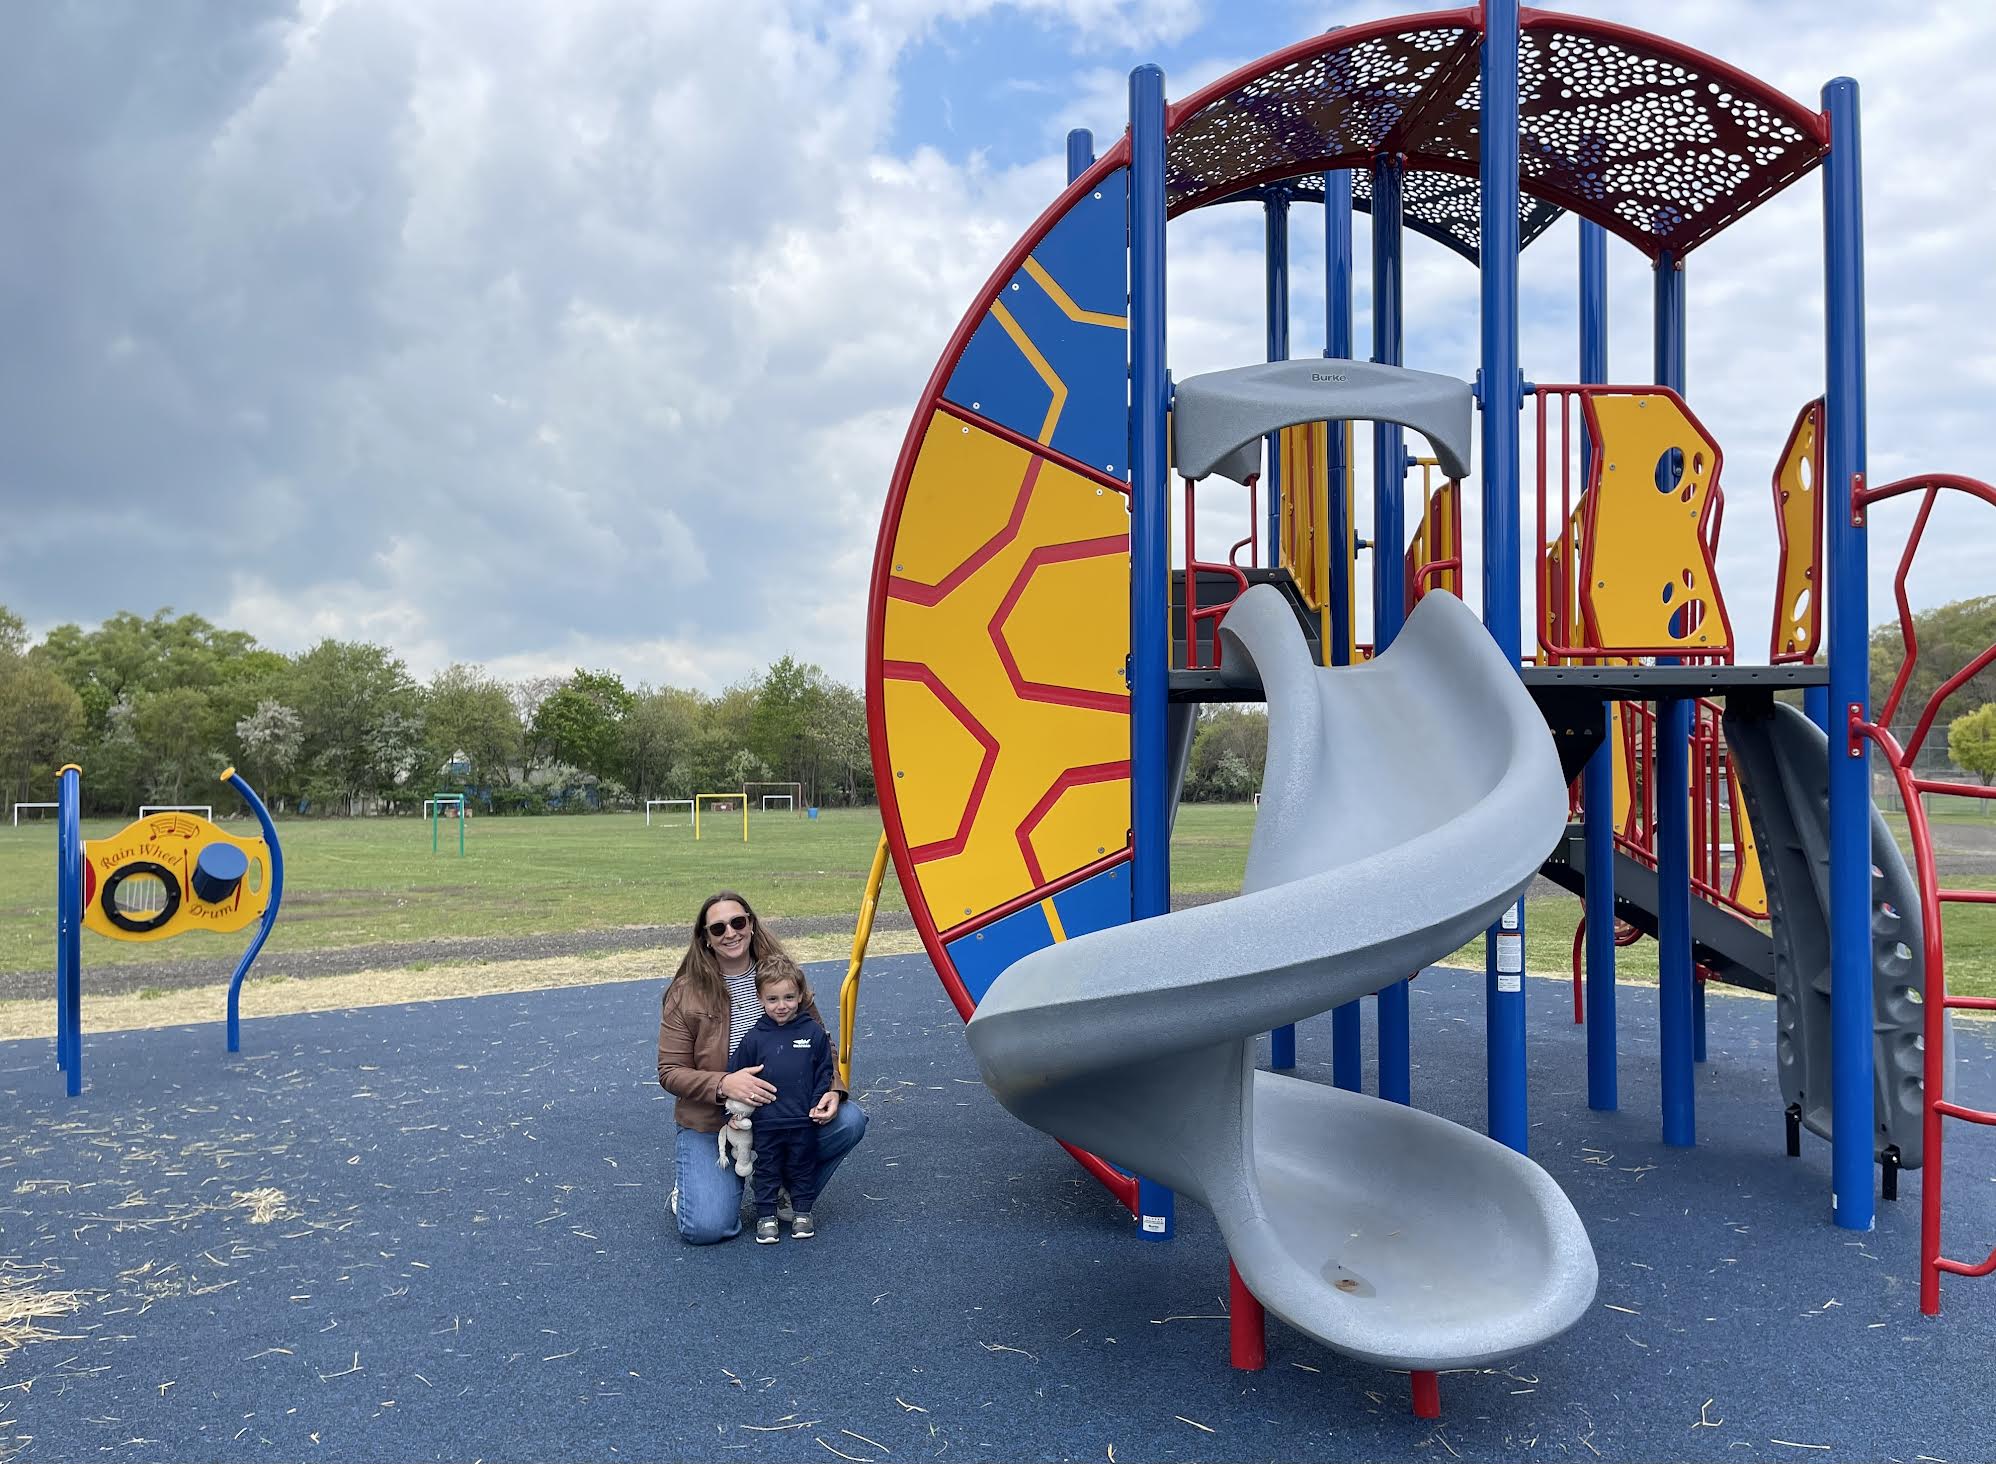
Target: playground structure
x=1035, y=662
x=433, y=809
x=163, y=875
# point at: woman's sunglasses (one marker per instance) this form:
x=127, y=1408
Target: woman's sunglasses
x=719, y=928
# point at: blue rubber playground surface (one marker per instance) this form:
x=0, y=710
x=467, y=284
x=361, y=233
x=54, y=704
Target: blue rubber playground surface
x=439, y=1231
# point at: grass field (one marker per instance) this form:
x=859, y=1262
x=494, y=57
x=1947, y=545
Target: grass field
x=362, y=881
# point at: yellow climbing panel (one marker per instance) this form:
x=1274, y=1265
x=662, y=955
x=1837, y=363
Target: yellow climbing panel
x=1798, y=512
x=1648, y=584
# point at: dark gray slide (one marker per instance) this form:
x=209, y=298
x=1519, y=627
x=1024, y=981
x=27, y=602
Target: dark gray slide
x=1407, y=802
x=1784, y=768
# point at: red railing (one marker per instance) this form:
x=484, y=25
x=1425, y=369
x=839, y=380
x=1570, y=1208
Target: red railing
x=1193, y=564
x=1913, y=791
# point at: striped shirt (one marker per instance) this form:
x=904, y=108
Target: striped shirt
x=743, y=1008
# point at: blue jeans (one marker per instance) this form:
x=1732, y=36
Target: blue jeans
x=710, y=1197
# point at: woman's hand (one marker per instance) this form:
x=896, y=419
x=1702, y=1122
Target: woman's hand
x=745, y=1087
x=827, y=1107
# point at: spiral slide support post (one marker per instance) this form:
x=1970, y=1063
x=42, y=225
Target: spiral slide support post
x=1503, y=401
x=1389, y=478
x=1347, y=1035
x=1598, y=790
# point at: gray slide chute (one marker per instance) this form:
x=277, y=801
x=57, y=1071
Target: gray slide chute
x=1407, y=802
x=1783, y=760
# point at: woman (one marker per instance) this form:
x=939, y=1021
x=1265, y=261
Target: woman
x=708, y=1004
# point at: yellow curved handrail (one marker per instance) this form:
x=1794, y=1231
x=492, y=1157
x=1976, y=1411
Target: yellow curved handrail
x=849, y=988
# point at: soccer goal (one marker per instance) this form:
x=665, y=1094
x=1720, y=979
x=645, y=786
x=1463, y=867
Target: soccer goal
x=51, y=807
x=206, y=810
x=787, y=796
x=433, y=809
x=668, y=804
x=720, y=803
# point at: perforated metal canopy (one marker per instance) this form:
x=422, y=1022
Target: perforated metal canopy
x=1444, y=207
x=1658, y=143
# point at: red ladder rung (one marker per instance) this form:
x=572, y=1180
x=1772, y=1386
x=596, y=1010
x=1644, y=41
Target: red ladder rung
x=1972, y=1115
x=1971, y=1003
x=1962, y=1268
x=1970, y=897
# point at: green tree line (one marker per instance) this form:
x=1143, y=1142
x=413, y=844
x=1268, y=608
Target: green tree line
x=153, y=708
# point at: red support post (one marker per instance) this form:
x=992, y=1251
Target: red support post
x=1427, y=1394
x=1247, y=1325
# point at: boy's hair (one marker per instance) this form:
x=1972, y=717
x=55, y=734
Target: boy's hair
x=781, y=968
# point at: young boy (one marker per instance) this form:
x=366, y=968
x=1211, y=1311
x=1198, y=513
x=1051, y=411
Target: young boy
x=795, y=1055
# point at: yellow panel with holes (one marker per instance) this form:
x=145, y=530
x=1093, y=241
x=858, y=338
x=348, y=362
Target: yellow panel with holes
x=1649, y=585
x=1798, y=604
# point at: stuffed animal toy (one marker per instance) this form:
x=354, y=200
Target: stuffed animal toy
x=735, y=1137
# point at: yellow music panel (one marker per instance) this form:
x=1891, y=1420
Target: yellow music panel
x=173, y=872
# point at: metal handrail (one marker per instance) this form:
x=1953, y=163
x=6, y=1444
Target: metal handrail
x=1193, y=564
x=1913, y=793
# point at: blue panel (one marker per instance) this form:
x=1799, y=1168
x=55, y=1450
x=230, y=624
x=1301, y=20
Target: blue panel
x=1096, y=903
x=982, y=955
x=1084, y=254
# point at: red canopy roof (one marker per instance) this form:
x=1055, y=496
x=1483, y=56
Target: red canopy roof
x=1659, y=143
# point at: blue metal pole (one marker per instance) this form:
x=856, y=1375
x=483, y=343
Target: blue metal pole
x=1150, y=545
x=1347, y=1037
x=1389, y=572
x=1503, y=401
x=1816, y=705
x=1676, y=1007
x=1080, y=152
x=248, y=795
x=1275, y=263
x=1598, y=781
x=69, y=929
x=1849, y=691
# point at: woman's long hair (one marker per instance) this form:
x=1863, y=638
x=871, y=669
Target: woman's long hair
x=702, y=971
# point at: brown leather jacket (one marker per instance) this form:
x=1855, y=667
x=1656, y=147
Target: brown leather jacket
x=693, y=1055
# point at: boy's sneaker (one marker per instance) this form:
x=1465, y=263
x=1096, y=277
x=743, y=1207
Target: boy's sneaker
x=801, y=1228
x=783, y=1210
x=766, y=1232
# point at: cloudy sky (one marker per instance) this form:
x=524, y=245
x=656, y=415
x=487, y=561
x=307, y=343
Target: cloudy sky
x=585, y=333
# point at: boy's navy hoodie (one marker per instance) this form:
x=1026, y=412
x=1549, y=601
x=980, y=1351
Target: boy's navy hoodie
x=797, y=1058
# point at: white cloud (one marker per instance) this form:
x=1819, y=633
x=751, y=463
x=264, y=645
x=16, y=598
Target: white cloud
x=545, y=335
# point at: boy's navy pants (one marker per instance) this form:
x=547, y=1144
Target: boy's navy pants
x=786, y=1157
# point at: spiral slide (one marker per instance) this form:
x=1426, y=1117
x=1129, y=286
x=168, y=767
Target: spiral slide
x=1407, y=803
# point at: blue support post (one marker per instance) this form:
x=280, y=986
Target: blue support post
x=1389, y=571
x=1275, y=265
x=1849, y=690
x=1816, y=705
x=69, y=929
x=1080, y=152
x=1503, y=401
x=1150, y=546
x=1275, y=262
x=1676, y=1006
x=1598, y=781
x=1347, y=1038
x=276, y=877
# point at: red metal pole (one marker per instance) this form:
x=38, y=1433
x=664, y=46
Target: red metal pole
x=1247, y=1325
x=1427, y=1394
